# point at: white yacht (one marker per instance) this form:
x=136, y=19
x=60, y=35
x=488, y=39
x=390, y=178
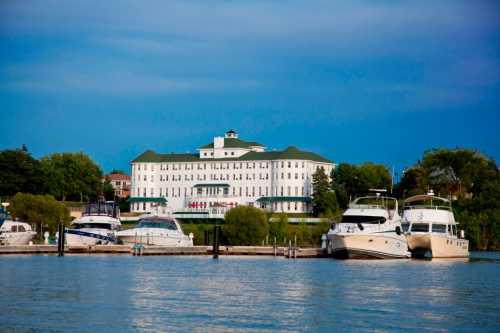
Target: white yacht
x=156, y=230
x=431, y=228
x=13, y=232
x=370, y=229
x=97, y=225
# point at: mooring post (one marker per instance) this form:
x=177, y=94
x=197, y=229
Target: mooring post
x=215, y=248
x=295, y=247
x=60, y=239
x=289, y=249
x=274, y=246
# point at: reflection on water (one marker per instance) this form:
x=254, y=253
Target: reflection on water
x=246, y=294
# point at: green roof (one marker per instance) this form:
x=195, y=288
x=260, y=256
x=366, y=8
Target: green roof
x=144, y=199
x=284, y=199
x=291, y=153
x=234, y=143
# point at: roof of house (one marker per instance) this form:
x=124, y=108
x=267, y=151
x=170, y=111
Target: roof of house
x=234, y=143
x=117, y=176
x=291, y=153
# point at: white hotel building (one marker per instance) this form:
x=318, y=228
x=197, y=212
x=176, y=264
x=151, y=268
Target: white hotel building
x=224, y=174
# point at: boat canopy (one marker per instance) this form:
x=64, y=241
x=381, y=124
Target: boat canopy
x=424, y=197
x=375, y=202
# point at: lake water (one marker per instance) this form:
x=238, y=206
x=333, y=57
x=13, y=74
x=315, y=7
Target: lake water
x=81, y=293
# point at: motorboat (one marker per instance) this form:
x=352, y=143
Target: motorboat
x=432, y=229
x=156, y=230
x=370, y=229
x=14, y=232
x=97, y=226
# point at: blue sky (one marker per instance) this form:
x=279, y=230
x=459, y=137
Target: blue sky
x=356, y=81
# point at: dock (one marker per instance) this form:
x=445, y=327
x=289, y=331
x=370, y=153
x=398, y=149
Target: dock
x=151, y=250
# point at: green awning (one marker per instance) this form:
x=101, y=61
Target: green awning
x=145, y=199
x=211, y=185
x=284, y=199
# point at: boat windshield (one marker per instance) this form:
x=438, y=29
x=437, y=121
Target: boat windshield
x=161, y=224
x=420, y=227
x=363, y=219
x=101, y=208
x=106, y=226
x=439, y=228
x=405, y=226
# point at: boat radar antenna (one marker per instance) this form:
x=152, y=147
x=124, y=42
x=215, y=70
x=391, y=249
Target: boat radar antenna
x=431, y=192
x=378, y=191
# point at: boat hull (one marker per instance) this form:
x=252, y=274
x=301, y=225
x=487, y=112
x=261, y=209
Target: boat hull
x=437, y=246
x=158, y=240
x=369, y=246
x=88, y=237
x=17, y=238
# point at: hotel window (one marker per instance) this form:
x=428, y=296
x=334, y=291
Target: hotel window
x=267, y=176
x=204, y=177
x=160, y=192
x=241, y=165
x=145, y=166
x=295, y=205
x=234, y=191
x=296, y=176
x=152, y=192
x=246, y=191
x=296, y=190
x=152, y=178
x=266, y=191
x=143, y=206
x=289, y=175
x=204, y=166
x=281, y=191
x=282, y=164
x=225, y=153
x=288, y=205
x=166, y=192
x=204, y=154
x=179, y=192
x=289, y=164
x=302, y=190
x=166, y=177
x=288, y=190
x=232, y=153
x=212, y=154
x=260, y=191
x=282, y=175
x=240, y=191
x=192, y=177
x=145, y=177
x=152, y=167
x=253, y=191
x=296, y=164
x=138, y=167
x=166, y=167
x=302, y=175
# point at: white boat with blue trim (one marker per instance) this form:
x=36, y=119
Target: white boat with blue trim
x=370, y=229
x=97, y=226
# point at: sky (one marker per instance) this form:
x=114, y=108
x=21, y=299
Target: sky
x=355, y=81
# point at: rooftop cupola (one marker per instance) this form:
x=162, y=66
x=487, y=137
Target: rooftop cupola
x=231, y=134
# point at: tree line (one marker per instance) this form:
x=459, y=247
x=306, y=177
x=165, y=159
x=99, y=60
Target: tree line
x=470, y=179
x=64, y=176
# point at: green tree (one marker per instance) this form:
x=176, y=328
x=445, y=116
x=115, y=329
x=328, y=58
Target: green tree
x=19, y=172
x=245, y=225
x=351, y=181
x=278, y=228
x=71, y=176
x=39, y=209
x=324, y=201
